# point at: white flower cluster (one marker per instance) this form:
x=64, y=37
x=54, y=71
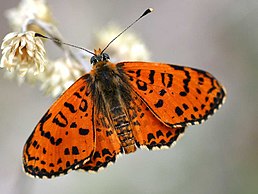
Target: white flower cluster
x=23, y=52
x=24, y=55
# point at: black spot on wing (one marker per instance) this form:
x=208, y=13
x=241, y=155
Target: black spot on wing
x=198, y=91
x=178, y=111
x=211, y=89
x=138, y=73
x=166, y=79
x=70, y=107
x=59, y=161
x=193, y=117
x=183, y=94
x=96, y=155
x=75, y=150
x=151, y=76
x=73, y=125
x=58, y=141
x=159, y=133
x=82, y=88
x=68, y=164
x=60, y=120
x=66, y=151
x=195, y=109
x=185, y=106
x=170, y=80
x=83, y=105
x=150, y=136
x=159, y=103
x=162, y=92
x=83, y=131
x=186, y=81
x=105, y=152
x=141, y=85
x=77, y=94
x=177, y=67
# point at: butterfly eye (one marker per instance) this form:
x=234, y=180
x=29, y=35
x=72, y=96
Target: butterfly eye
x=93, y=60
x=105, y=56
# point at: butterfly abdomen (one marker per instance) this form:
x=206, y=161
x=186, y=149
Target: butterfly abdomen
x=123, y=129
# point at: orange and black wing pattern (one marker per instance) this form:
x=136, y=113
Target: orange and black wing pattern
x=148, y=131
x=151, y=105
x=178, y=96
x=108, y=147
x=64, y=138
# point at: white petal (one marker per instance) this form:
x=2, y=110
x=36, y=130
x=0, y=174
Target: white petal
x=3, y=62
x=30, y=36
x=10, y=36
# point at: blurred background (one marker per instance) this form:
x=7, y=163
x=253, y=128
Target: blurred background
x=219, y=156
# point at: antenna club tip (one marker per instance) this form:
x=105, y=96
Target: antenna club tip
x=39, y=35
x=147, y=11
x=151, y=9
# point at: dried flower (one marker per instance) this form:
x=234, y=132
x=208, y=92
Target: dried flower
x=28, y=9
x=127, y=47
x=59, y=75
x=23, y=52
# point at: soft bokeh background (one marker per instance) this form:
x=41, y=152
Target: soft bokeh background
x=220, y=156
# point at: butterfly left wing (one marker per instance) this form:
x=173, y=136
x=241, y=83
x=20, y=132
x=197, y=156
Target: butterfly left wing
x=178, y=96
x=108, y=146
x=148, y=131
x=64, y=138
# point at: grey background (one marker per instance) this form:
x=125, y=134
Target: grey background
x=220, y=156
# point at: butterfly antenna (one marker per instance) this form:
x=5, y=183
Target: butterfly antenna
x=60, y=42
x=147, y=11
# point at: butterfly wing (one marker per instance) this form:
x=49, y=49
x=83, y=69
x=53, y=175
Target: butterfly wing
x=108, y=146
x=148, y=131
x=64, y=138
x=178, y=96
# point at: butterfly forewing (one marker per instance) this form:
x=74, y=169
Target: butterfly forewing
x=64, y=138
x=178, y=96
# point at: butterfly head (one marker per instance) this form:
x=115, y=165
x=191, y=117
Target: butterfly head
x=99, y=56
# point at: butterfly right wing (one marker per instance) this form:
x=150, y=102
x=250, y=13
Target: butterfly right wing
x=64, y=138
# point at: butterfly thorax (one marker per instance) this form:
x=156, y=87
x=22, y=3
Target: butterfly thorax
x=114, y=97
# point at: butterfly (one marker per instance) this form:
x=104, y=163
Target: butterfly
x=115, y=109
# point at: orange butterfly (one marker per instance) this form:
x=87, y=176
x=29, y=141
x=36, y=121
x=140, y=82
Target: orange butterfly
x=115, y=109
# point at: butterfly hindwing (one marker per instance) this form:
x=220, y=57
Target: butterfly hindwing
x=63, y=139
x=108, y=146
x=178, y=96
x=148, y=131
